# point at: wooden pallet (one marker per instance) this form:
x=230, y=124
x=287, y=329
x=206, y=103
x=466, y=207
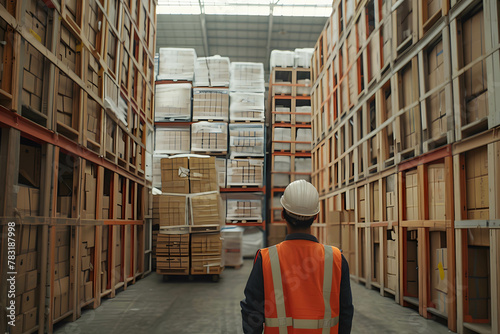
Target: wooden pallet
x=179, y=271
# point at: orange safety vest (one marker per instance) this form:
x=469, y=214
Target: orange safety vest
x=301, y=287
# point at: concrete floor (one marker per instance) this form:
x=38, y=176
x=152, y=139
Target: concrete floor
x=204, y=307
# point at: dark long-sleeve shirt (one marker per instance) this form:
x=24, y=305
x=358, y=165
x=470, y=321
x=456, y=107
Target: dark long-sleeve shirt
x=252, y=307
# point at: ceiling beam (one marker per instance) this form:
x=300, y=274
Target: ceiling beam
x=204, y=28
x=269, y=34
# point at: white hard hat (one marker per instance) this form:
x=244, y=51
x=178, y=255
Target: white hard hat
x=301, y=199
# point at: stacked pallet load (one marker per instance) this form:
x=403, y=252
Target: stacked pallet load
x=76, y=125
x=209, y=130
x=245, y=170
x=187, y=212
x=405, y=137
x=174, y=75
x=290, y=103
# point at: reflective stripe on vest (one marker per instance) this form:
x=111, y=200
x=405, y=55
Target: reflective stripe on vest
x=282, y=321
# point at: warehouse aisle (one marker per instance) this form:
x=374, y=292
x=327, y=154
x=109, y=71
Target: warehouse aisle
x=203, y=307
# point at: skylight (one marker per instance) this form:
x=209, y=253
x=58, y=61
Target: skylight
x=316, y=8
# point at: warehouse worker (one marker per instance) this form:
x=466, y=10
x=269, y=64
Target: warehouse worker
x=299, y=285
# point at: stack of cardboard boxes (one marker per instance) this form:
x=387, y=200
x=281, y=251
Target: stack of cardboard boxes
x=436, y=103
x=190, y=199
x=476, y=171
x=476, y=97
x=33, y=75
x=173, y=101
x=63, y=268
x=210, y=104
x=27, y=291
x=209, y=137
x=211, y=72
x=87, y=263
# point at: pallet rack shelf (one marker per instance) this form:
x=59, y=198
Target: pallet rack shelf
x=402, y=92
x=62, y=109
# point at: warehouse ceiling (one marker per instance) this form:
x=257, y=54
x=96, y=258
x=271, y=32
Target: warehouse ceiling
x=243, y=30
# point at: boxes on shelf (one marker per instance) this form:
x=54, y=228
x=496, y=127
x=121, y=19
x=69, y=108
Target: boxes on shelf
x=202, y=174
x=246, y=106
x=303, y=57
x=303, y=139
x=282, y=114
x=28, y=201
x=90, y=191
x=232, y=244
x=246, y=140
x=306, y=88
x=173, y=101
x=209, y=137
x=173, y=140
x=211, y=72
x=33, y=78
x=476, y=174
x=281, y=58
x=282, y=138
x=411, y=196
x=244, y=207
x=247, y=77
x=210, y=104
x=176, y=64
x=245, y=172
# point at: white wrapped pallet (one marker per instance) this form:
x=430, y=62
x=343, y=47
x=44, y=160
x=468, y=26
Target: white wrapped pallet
x=232, y=241
x=173, y=101
x=283, y=117
x=247, y=77
x=210, y=104
x=246, y=106
x=212, y=72
x=172, y=140
x=303, y=57
x=304, y=136
x=253, y=240
x=281, y=58
x=303, y=118
x=246, y=140
x=246, y=208
x=176, y=64
x=282, y=135
x=209, y=137
x=245, y=172
x=303, y=165
x=282, y=163
x=304, y=90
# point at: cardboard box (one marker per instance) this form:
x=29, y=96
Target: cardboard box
x=28, y=301
x=88, y=290
x=63, y=253
x=21, y=264
x=31, y=280
x=18, y=328
x=30, y=319
x=20, y=284
x=64, y=284
x=32, y=261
